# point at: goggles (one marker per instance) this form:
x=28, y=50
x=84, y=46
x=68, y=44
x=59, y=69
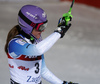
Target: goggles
x=39, y=26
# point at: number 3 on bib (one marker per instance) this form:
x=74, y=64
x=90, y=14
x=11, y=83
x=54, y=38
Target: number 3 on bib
x=37, y=67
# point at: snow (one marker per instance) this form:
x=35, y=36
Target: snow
x=76, y=57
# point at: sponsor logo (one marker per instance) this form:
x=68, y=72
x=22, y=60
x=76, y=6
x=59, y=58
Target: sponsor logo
x=23, y=68
x=11, y=66
x=43, y=14
x=32, y=79
x=31, y=15
x=20, y=41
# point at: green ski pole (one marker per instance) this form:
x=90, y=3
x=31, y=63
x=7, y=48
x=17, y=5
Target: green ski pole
x=68, y=15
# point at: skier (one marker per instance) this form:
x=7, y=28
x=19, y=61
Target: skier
x=25, y=48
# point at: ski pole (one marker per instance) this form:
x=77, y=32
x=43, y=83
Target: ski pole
x=68, y=15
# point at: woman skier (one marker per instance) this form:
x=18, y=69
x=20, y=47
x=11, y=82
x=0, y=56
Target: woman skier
x=25, y=48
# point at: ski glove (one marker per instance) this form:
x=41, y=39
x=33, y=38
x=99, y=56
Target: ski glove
x=62, y=27
x=69, y=82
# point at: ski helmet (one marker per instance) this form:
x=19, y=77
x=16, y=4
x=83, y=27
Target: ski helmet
x=30, y=17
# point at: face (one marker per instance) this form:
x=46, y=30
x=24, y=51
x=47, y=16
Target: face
x=36, y=33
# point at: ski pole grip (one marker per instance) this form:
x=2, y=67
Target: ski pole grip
x=68, y=17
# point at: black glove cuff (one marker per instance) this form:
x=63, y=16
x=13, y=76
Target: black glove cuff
x=64, y=82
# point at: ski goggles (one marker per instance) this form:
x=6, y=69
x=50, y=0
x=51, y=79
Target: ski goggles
x=41, y=26
x=38, y=26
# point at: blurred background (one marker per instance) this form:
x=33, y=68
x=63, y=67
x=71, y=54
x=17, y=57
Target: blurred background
x=76, y=57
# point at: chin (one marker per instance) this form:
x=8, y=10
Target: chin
x=38, y=37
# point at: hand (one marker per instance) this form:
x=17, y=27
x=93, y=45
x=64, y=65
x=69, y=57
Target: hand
x=62, y=27
x=65, y=82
